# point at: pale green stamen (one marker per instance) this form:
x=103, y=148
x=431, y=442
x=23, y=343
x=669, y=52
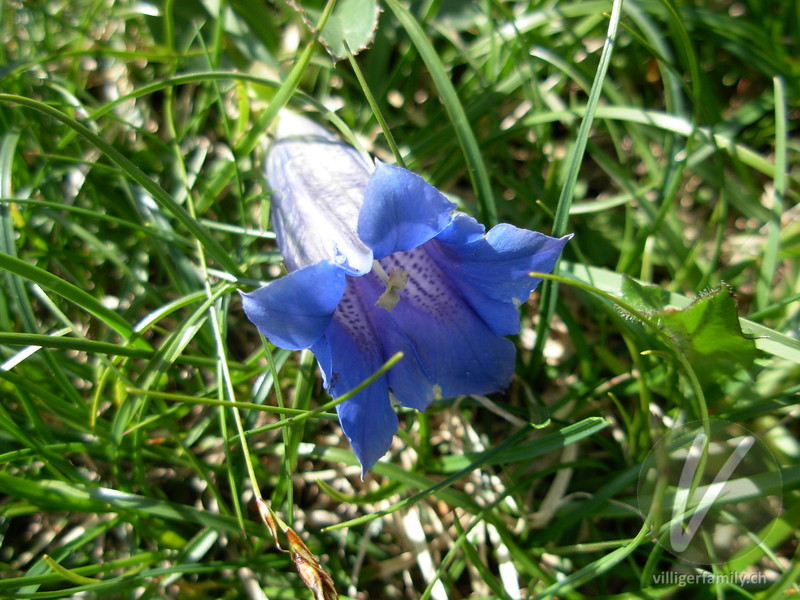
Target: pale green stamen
x=395, y=281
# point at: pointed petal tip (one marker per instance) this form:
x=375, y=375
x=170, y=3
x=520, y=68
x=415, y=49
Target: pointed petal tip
x=369, y=423
x=370, y=447
x=366, y=467
x=369, y=458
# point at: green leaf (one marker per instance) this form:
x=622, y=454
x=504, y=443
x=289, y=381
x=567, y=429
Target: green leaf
x=549, y=290
x=48, y=494
x=708, y=332
x=135, y=173
x=351, y=26
x=510, y=450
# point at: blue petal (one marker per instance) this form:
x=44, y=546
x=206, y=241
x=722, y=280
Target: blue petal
x=348, y=353
x=501, y=316
x=499, y=262
x=294, y=311
x=401, y=211
x=410, y=382
x=463, y=229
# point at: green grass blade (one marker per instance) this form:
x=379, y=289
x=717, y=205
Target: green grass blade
x=478, y=173
x=549, y=291
x=136, y=174
x=71, y=293
x=769, y=264
x=505, y=452
x=68, y=343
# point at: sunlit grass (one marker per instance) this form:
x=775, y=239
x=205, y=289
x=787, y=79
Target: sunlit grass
x=133, y=206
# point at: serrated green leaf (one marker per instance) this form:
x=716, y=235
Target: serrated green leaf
x=708, y=333
x=351, y=26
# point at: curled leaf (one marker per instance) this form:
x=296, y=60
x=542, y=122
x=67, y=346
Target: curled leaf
x=314, y=576
x=67, y=574
x=310, y=570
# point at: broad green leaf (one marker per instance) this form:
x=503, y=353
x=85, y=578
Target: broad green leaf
x=707, y=331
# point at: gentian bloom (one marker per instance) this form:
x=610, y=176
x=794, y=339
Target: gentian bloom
x=381, y=262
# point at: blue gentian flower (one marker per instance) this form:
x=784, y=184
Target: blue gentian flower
x=381, y=262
